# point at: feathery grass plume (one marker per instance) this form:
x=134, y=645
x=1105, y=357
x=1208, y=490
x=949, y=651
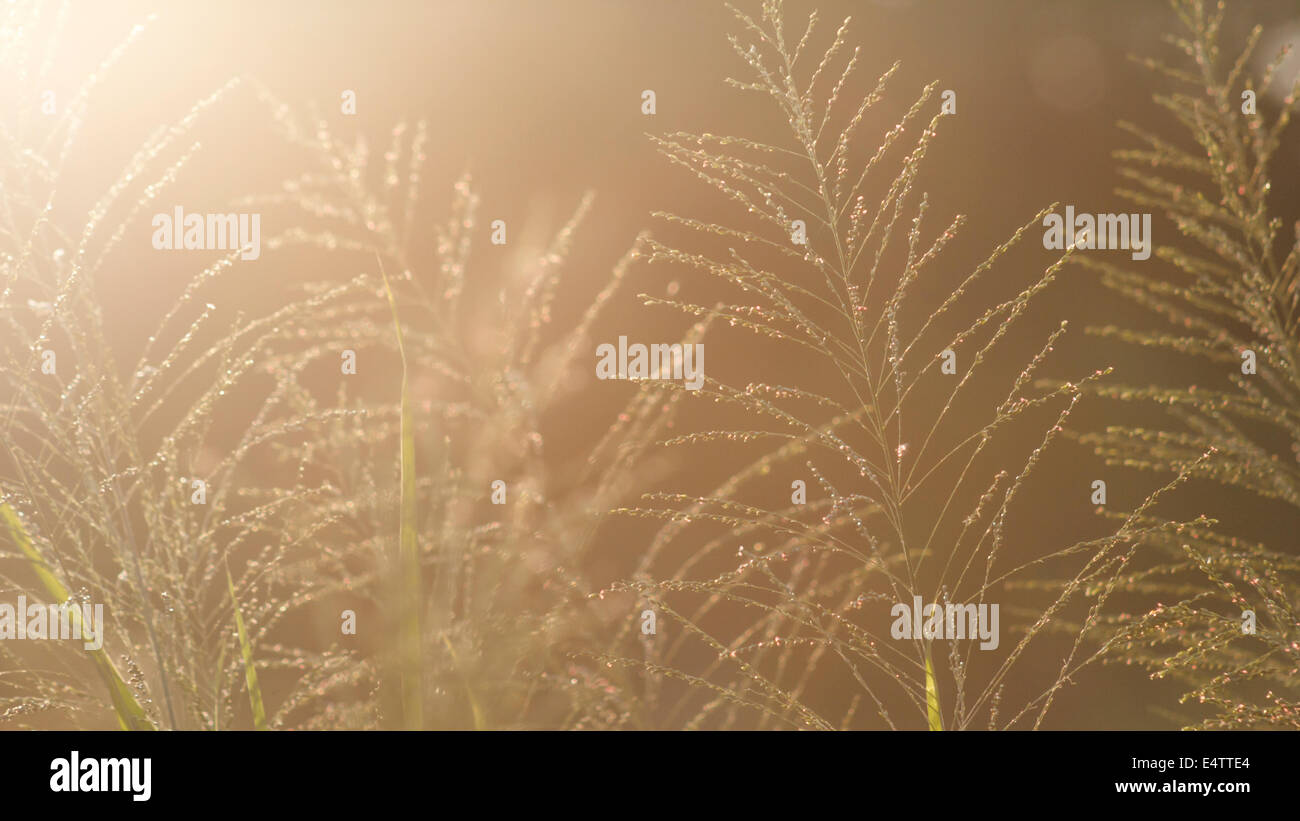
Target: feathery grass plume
x=779, y=614
x=1228, y=288
x=100, y=462
x=504, y=589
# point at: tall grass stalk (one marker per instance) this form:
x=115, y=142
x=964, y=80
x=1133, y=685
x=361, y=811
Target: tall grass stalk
x=408, y=563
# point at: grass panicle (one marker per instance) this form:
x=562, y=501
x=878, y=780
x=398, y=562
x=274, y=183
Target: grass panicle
x=912, y=468
x=1228, y=284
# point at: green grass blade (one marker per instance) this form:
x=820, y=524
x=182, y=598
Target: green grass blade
x=250, y=672
x=932, y=697
x=130, y=715
x=480, y=720
x=216, y=688
x=408, y=552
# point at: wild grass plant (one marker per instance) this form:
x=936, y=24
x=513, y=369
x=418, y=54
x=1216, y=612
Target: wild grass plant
x=886, y=445
x=1226, y=293
x=323, y=500
x=775, y=610
x=499, y=592
x=120, y=484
